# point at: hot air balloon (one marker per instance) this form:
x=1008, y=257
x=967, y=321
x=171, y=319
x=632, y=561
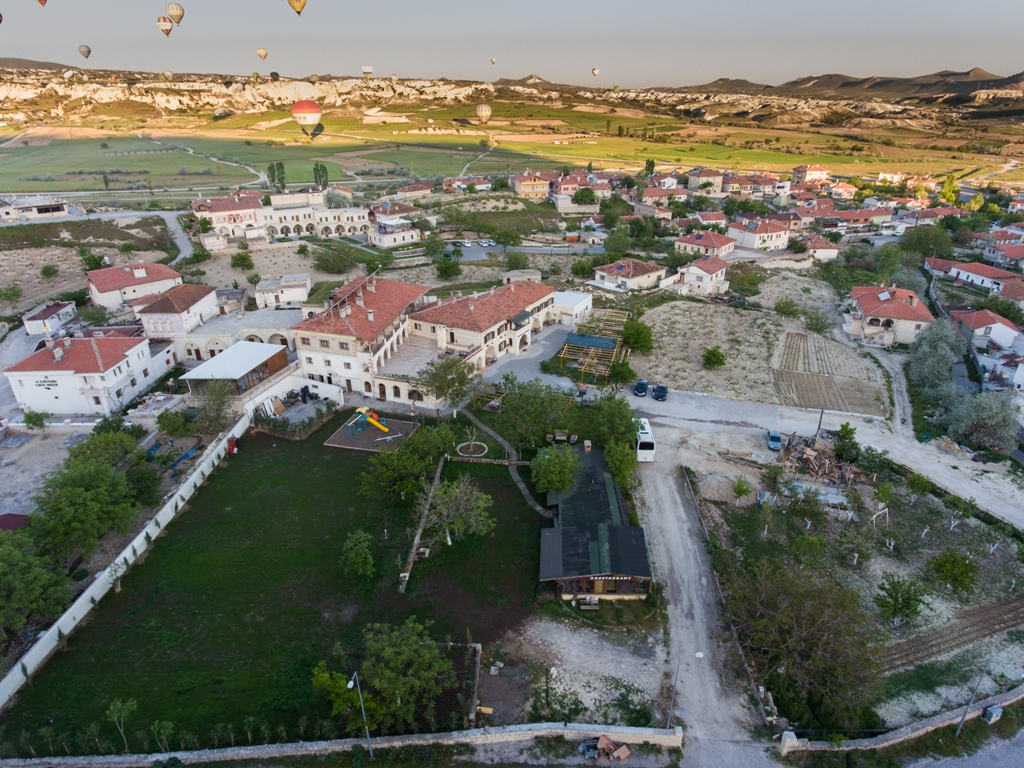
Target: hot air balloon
x=275, y=76
x=306, y=113
x=176, y=12
x=314, y=79
x=1, y=18
x=168, y=75
x=494, y=61
x=483, y=111
x=262, y=53
x=255, y=77
x=85, y=50
x=297, y=5
x=367, y=71
x=165, y=25
x=595, y=71
x=42, y=3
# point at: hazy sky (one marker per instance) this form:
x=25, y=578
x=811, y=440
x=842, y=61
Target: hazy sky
x=635, y=43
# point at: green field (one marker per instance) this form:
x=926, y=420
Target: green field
x=245, y=592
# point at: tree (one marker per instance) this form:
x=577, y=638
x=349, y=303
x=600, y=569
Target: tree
x=356, y=558
x=499, y=184
x=302, y=250
x=458, y=509
x=986, y=421
x=406, y=670
x=333, y=258
x=900, y=599
x=449, y=378
x=162, y=730
x=90, y=261
x=433, y=246
x=205, y=225
x=35, y=419
x=847, y=447
x=617, y=242
x=621, y=373
x=622, y=463
x=506, y=238
x=242, y=261
x=910, y=280
x=10, y=294
x=954, y=569
x=517, y=261
x=530, y=409
x=279, y=166
x=320, y=175
x=713, y=357
x=817, y=322
x=28, y=588
x=272, y=174
x=395, y=474
x=926, y=242
x=49, y=271
x=771, y=476
x=949, y=191
x=787, y=307
x=176, y=424
x=918, y=485
x=585, y=196
x=106, y=181
x=119, y=713
x=872, y=460
x=649, y=167
x=582, y=268
x=345, y=701
x=446, y=269
x=612, y=421
x=335, y=199
x=554, y=468
x=741, y=488
x=254, y=278
x=95, y=315
x=933, y=353
x=214, y=405
x=638, y=336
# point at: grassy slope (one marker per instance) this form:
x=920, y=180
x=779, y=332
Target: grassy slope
x=245, y=591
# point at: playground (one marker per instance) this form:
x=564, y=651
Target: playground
x=366, y=430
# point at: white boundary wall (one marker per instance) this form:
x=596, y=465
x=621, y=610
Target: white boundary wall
x=37, y=655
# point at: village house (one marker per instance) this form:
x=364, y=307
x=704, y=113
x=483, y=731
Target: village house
x=31, y=208
x=857, y=219
x=365, y=325
x=760, y=235
x=707, y=181
x=941, y=267
x=737, y=185
x=483, y=327
x=810, y=174
x=652, y=196
x=1005, y=256
x=572, y=306
x=113, y=287
x=180, y=310
x=819, y=248
x=791, y=220
x=980, y=275
x=217, y=334
x=1013, y=290
x=705, y=244
x=414, y=191
x=884, y=316
x=530, y=186
x=704, y=277
x=393, y=234
x=984, y=329
x=890, y=178
x=711, y=218
x=629, y=275
x=274, y=290
x=463, y=184
x=235, y=215
x=592, y=552
x=840, y=190
x=48, y=318
x=88, y=376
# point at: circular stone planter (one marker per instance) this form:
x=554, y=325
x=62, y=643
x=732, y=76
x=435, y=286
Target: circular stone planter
x=470, y=450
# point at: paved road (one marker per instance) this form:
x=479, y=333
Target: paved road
x=479, y=253
x=15, y=347
x=998, y=753
x=992, y=491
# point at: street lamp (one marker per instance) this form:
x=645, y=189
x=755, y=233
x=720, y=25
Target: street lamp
x=672, y=701
x=354, y=680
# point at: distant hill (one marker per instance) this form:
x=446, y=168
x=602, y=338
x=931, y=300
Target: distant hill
x=923, y=86
x=29, y=64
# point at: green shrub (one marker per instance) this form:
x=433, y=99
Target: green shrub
x=713, y=357
x=241, y=261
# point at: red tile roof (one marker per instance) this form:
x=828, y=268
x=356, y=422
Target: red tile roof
x=706, y=239
x=387, y=299
x=981, y=318
x=709, y=265
x=79, y=356
x=236, y=202
x=984, y=270
x=1013, y=291
x=708, y=216
x=485, y=310
x=118, y=278
x=658, y=192
x=1014, y=252
x=760, y=227
x=629, y=268
x=49, y=310
x=942, y=265
x=178, y=299
x=393, y=209
x=818, y=243
x=898, y=304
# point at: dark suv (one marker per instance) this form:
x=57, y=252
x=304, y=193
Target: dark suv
x=640, y=390
x=660, y=392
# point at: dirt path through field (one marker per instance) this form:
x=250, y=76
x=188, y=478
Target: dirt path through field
x=709, y=699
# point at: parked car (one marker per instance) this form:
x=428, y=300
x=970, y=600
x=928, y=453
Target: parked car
x=774, y=440
x=488, y=243
x=660, y=392
x=640, y=390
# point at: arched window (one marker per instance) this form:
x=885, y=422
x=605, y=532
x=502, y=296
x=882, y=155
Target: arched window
x=367, y=388
x=397, y=392
x=383, y=392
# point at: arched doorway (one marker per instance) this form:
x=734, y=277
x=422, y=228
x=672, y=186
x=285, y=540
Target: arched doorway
x=277, y=338
x=524, y=341
x=415, y=396
x=272, y=231
x=310, y=229
x=367, y=388
x=396, y=392
x=254, y=337
x=286, y=231
x=326, y=231
x=383, y=392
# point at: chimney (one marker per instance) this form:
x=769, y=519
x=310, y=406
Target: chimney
x=512, y=287
x=471, y=306
x=49, y=343
x=58, y=353
x=359, y=297
x=371, y=285
x=913, y=299
x=67, y=342
x=369, y=315
x=139, y=271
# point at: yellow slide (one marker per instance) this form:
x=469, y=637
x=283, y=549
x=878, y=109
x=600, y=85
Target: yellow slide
x=372, y=418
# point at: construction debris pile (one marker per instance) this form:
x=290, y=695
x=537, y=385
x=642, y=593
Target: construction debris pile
x=820, y=460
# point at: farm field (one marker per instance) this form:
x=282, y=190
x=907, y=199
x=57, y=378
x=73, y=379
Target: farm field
x=227, y=615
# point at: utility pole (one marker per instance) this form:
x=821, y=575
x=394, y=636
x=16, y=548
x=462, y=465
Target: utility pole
x=973, y=696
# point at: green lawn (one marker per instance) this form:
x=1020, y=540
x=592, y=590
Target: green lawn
x=245, y=593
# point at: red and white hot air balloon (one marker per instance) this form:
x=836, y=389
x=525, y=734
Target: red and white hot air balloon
x=165, y=25
x=306, y=113
x=42, y=3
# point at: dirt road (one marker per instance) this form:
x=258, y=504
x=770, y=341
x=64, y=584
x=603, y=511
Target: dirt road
x=709, y=699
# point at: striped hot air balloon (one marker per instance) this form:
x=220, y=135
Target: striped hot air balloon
x=306, y=113
x=165, y=25
x=176, y=12
x=483, y=111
